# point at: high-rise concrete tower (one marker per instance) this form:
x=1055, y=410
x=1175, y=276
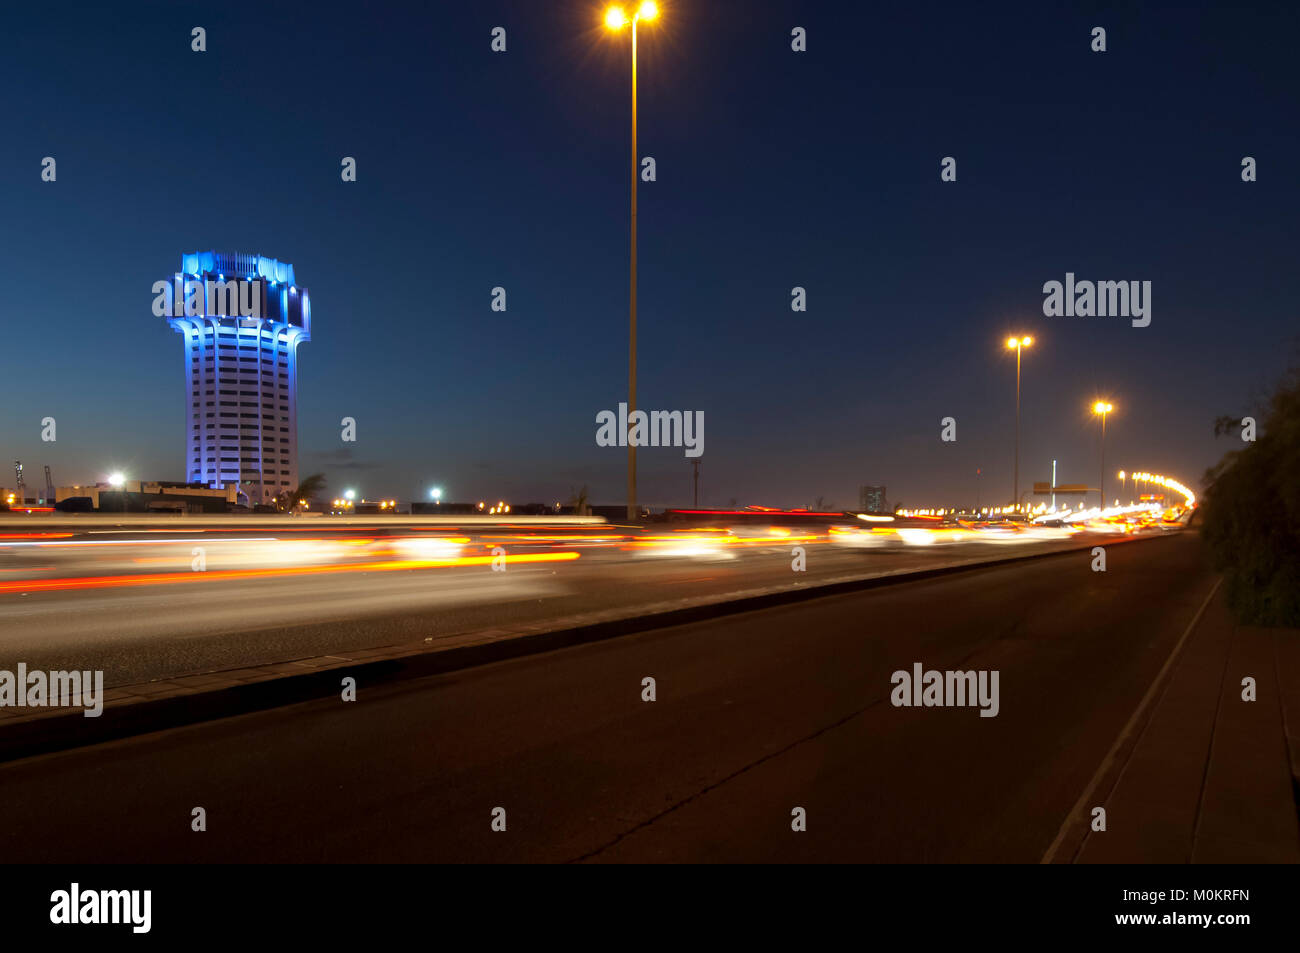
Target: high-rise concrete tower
x=242, y=317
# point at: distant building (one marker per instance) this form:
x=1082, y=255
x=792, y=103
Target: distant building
x=146, y=496
x=871, y=499
x=428, y=508
x=380, y=508
x=242, y=317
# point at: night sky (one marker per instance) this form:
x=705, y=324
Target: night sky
x=775, y=169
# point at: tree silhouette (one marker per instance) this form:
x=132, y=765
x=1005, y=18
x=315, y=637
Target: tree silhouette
x=1252, y=513
x=578, y=500
x=309, y=487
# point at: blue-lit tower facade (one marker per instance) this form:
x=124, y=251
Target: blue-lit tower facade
x=241, y=370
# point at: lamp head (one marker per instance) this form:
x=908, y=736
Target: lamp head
x=616, y=18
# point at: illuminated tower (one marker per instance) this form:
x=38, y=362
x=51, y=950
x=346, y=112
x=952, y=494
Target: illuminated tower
x=243, y=317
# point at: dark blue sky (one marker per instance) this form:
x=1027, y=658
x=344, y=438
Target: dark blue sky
x=775, y=169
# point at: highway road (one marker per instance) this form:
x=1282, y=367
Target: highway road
x=756, y=714
x=128, y=601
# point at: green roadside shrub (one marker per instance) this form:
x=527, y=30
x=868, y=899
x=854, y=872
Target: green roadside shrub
x=1251, y=516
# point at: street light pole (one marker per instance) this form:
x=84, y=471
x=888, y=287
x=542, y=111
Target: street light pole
x=1017, y=343
x=631, y=352
x=1102, y=408
x=1015, y=491
x=615, y=19
x=1102, y=488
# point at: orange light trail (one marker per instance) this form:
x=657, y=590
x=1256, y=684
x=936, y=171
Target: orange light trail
x=152, y=579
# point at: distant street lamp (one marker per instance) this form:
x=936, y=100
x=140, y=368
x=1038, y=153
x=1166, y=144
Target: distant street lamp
x=616, y=19
x=435, y=494
x=1102, y=408
x=1018, y=344
x=1122, y=484
x=117, y=480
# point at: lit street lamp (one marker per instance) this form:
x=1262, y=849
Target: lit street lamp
x=1102, y=408
x=1018, y=344
x=1122, y=484
x=616, y=19
x=117, y=480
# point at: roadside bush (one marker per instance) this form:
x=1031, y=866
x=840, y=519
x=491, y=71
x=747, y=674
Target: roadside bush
x=1252, y=515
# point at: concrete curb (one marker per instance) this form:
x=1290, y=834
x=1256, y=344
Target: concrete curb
x=287, y=683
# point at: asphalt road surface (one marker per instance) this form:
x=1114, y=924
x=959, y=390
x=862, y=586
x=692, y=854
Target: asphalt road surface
x=756, y=714
x=245, y=609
